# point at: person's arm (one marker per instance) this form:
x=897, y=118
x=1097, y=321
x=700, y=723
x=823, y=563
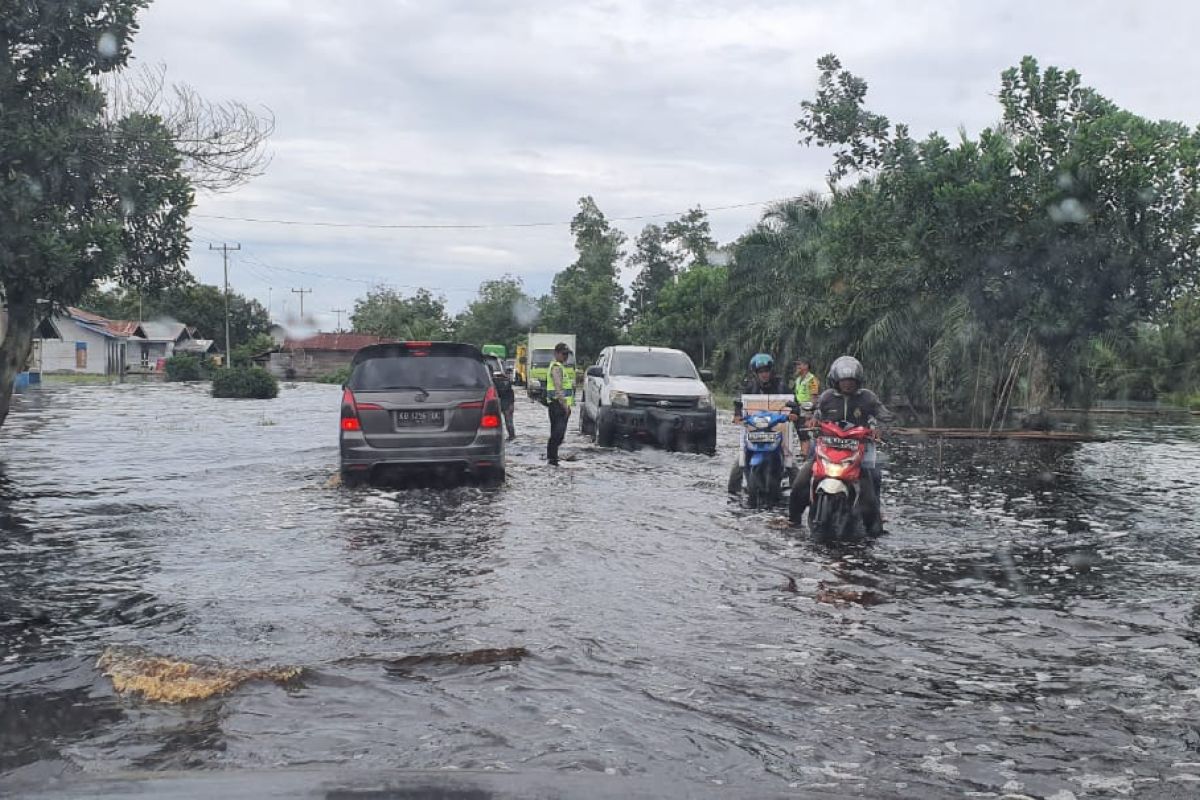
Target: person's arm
x=556, y=381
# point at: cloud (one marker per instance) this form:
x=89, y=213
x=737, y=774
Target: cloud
x=506, y=112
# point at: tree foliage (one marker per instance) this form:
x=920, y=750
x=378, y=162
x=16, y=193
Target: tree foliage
x=245, y=383
x=386, y=312
x=656, y=264
x=501, y=314
x=91, y=192
x=978, y=272
x=195, y=304
x=586, y=297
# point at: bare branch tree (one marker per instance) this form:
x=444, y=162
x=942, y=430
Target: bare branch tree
x=223, y=144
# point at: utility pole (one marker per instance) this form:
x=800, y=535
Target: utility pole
x=269, y=311
x=301, y=292
x=225, y=248
x=339, y=312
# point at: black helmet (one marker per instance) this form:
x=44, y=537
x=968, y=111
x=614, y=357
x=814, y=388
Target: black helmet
x=846, y=367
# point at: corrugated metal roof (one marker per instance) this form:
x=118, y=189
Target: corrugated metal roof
x=123, y=327
x=342, y=342
x=93, y=322
x=163, y=331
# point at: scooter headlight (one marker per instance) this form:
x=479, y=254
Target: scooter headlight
x=762, y=423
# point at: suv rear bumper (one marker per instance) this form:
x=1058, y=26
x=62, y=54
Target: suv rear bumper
x=483, y=453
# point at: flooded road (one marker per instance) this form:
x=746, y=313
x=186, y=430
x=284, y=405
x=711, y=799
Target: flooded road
x=1029, y=627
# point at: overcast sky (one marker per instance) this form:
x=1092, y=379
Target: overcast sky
x=481, y=112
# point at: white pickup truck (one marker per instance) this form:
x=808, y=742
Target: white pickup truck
x=650, y=393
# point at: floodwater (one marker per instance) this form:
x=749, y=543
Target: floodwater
x=1030, y=627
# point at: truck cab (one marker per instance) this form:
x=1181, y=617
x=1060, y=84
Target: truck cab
x=652, y=394
x=539, y=354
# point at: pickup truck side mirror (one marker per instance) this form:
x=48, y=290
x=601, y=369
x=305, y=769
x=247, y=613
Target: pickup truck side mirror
x=706, y=375
x=595, y=372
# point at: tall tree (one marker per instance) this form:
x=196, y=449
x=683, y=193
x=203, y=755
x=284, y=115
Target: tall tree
x=1009, y=252
x=686, y=314
x=501, y=314
x=385, y=312
x=692, y=236
x=586, y=297
x=656, y=264
x=82, y=198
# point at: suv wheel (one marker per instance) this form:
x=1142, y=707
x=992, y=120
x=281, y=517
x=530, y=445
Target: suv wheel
x=606, y=428
x=352, y=480
x=492, y=477
x=586, y=426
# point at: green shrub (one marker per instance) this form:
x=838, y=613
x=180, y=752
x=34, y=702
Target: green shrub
x=253, y=382
x=338, y=376
x=184, y=368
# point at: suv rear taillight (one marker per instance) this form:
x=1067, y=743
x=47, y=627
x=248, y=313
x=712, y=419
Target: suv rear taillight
x=350, y=409
x=491, y=410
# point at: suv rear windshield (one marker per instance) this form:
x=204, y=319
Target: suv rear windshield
x=431, y=373
x=653, y=365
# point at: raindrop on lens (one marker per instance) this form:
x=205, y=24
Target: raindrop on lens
x=107, y=46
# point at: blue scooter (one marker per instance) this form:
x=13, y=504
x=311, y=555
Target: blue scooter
x=762, y=443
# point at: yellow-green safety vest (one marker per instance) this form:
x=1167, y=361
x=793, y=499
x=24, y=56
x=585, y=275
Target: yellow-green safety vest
x=806, y=387
x=568, y=383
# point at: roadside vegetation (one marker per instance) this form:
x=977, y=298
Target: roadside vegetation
x=245, y=383
x=1049, y=260
x=185, y=368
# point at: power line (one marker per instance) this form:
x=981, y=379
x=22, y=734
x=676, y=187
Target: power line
x=458, y=226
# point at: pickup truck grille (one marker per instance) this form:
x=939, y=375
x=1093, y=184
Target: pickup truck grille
x=654, y=401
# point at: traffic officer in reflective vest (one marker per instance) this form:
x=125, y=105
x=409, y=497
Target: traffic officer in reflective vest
x=560, y=396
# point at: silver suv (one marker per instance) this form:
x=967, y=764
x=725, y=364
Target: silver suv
x=420, y=409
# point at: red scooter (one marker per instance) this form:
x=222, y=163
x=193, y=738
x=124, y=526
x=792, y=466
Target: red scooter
x=835, y=510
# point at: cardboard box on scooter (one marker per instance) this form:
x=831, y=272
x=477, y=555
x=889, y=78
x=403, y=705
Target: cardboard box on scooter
x=774, y=402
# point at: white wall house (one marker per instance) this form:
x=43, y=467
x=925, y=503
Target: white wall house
x=152, y=342
x=66, y=343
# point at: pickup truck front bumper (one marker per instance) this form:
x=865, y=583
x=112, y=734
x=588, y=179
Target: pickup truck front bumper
x=665, y=426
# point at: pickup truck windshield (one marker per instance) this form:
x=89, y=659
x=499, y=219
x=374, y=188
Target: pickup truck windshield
x=653, y=365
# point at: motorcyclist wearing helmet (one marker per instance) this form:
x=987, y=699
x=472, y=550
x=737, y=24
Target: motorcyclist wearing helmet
x=762, y=380
x=847, y=402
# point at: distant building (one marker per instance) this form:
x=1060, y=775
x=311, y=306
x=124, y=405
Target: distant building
x=76, y=342
x=316, y=356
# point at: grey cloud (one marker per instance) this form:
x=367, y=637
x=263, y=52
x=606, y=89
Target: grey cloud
x=509, y=111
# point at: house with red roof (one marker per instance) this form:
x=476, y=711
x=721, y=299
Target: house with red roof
x=312, y=357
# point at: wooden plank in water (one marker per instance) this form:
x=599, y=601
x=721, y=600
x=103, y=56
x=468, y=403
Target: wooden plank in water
x=983, y=433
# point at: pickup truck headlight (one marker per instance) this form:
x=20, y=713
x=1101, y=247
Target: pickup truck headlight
x=618, y=398
x=704, y=402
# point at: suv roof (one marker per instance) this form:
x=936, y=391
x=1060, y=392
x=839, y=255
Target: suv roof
x=406, y=348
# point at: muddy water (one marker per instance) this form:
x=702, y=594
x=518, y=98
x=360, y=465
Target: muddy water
x=1030, y=625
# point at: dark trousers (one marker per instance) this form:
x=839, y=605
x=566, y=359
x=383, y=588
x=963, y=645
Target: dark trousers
x=558, y=430
x=507, y=409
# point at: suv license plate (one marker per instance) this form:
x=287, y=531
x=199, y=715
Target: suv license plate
x=761, y=436
x=420, y=419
